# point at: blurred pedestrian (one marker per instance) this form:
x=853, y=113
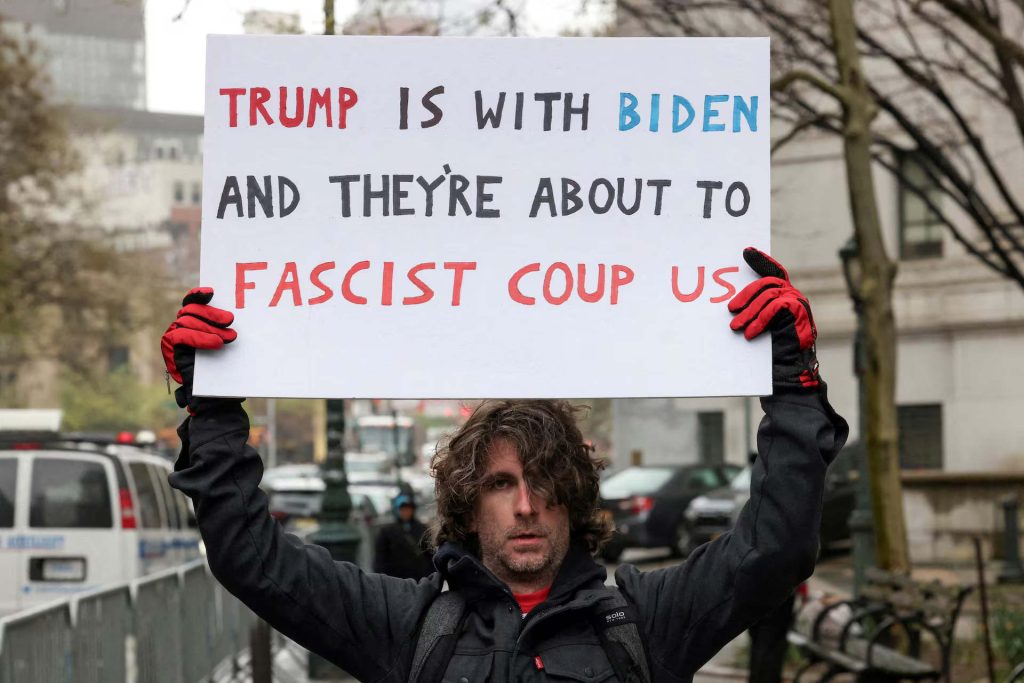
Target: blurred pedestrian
x=403, y=548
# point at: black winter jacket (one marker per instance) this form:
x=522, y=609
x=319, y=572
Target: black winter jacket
x=367, y=623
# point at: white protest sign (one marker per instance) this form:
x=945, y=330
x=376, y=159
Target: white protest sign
x=459, y=217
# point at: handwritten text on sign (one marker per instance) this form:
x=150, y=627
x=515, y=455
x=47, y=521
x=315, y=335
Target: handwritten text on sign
x=483, y=217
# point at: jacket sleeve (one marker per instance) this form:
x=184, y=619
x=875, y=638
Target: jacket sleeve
x=362, y=622
x=691, y=610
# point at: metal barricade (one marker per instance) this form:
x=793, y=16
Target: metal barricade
x=238, y=622
x=178, y=626
x=35, y=645
x=101, y=635
x=158, y=628
x=199, y=623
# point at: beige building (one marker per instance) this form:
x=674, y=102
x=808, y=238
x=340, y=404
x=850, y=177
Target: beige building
x=960, y=347
x=140, y=182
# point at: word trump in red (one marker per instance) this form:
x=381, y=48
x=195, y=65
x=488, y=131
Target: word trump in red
x=290, y=106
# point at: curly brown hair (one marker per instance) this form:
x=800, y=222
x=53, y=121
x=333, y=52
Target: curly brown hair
x=557, y=464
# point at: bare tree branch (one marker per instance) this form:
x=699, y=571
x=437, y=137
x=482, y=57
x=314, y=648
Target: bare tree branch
x=930, y=63
x=181, y=12
x=788, y=79
x=984, y=27
x=798, y=128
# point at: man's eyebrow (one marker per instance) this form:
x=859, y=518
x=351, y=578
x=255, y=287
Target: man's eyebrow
x=491, y=477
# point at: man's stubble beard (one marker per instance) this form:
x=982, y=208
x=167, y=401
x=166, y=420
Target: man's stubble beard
x=508, y=567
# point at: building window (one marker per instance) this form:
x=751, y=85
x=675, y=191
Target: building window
x=711, y=437
x=197, y=193
x=920, y=226
x=179, y=191
x=920, y=436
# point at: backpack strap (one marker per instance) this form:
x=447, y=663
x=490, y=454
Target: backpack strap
x=615, y=620
x=439, y=631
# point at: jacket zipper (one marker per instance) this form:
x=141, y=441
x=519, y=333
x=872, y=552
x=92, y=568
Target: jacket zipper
x=528, y=623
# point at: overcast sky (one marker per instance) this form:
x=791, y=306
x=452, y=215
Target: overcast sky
x=175, y=50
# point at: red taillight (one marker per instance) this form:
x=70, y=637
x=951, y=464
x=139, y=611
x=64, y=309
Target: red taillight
x=127, y=510
x=641, y=504
x=27, y=446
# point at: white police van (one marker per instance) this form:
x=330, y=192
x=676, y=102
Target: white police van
x=76, y=514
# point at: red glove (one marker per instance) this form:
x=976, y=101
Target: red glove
x=198, y=326
x=773, y=303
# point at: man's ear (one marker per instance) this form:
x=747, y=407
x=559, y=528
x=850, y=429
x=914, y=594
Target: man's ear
x=471, y=523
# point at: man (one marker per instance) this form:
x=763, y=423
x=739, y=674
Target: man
x=401, y=548
x=517, y=495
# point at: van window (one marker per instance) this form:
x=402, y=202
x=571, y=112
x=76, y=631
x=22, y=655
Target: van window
x=170, y=506
x=8, y=479
x=149, y=504
x=70, y=493
x=185, y=511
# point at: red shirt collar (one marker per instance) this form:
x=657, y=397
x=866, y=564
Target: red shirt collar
x=527, y=601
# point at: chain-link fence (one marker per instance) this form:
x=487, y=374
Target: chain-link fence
x=178, y=626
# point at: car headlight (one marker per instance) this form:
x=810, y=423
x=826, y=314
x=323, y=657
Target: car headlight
x=693, y=509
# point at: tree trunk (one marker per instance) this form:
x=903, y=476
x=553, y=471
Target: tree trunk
x=875, y=291
x=328, y=17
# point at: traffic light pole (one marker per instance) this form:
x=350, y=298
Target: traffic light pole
x=336, y=533
x=860, y=522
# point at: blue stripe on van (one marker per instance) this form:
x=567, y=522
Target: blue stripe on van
x=158, y=548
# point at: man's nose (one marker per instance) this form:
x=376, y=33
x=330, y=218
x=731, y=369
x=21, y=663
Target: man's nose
x=524, y=503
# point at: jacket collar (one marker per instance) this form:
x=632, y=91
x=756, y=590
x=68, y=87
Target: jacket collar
x=464, y=570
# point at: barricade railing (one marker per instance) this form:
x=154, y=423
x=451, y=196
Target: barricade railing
x=177, y=626
x=103, y=627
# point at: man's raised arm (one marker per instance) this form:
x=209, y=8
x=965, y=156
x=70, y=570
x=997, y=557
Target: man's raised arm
x=691, y=610
x=362, y=622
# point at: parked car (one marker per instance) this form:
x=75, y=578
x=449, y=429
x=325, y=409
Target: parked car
x=712, y=514
x=77, y=513
x=647, y=503
x=295, y=493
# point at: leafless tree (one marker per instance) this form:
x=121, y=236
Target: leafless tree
x=946, y=79
x=65, y=292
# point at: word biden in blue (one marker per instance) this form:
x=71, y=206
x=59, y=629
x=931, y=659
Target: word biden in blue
x=714, y=115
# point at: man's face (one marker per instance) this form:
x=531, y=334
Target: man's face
x=523, y=540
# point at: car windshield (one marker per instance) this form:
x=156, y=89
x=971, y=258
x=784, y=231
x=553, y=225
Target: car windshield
x=635, y=481
x=741, y=482
x=385, y=439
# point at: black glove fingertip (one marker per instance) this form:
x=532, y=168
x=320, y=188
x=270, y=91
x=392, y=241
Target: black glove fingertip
x=763, y=264
x=199, y=295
